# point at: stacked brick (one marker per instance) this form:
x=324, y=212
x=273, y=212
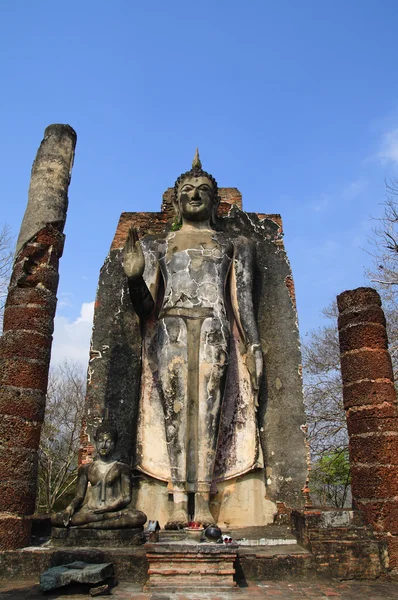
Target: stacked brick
x=341, y=543
x=25, y=345
x=371, y=408
x=178, y=568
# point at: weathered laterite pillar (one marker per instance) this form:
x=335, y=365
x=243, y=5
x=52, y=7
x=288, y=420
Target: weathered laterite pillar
x=25, y=345
x=372, y=414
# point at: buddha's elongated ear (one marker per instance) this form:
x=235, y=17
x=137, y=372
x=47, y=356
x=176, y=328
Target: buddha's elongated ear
x=216, y=204
x=177, y=210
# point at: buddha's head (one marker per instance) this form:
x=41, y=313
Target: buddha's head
x=105, y=438
x=196, y=194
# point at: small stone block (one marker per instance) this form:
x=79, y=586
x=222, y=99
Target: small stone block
x=76, y=572
x=100, y=590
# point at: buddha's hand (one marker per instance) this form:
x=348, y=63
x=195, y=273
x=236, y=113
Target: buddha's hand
x=254, y=363
x=133, y=257
x=67, y=515
x=109, y=508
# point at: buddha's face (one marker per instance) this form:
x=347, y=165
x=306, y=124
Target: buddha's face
x=105, y=444
x=196, y=198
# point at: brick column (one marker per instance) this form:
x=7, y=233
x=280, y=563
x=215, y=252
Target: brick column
x=371, y=408
x=25, y=345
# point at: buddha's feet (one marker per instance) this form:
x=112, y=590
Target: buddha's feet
x=179, y=517
x=204, y=518
x=202, y=510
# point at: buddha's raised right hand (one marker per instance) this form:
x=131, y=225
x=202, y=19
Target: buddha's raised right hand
x=133, y=257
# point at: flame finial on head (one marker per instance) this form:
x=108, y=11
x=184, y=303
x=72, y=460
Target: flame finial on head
x=196, y=164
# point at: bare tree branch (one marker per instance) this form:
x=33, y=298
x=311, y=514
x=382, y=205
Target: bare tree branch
x=6, y=255
x=385, y=243
x=60, y=438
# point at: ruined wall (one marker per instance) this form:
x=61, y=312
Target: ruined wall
x=372, y=413
x=115, y=361
x=25, y=345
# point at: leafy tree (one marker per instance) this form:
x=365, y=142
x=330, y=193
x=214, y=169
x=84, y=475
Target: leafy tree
x=60, y=437
x=330, y=479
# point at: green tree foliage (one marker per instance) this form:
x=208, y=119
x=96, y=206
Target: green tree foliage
x=330, y=479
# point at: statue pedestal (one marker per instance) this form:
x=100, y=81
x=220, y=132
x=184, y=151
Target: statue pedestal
x=97, y=538
x=179, y=566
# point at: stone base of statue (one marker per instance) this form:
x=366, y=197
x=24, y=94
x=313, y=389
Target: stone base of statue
x=183, y=566
x=97, y=538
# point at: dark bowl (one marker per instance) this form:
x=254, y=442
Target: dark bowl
x=213, y=533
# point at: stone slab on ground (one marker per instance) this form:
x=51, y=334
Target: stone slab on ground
x=75, y=572
x=382, y=589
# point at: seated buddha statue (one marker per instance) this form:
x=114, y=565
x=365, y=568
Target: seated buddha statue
x=104, y=504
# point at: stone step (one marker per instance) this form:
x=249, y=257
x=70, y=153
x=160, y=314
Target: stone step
x=284, y=561
x=270, y=535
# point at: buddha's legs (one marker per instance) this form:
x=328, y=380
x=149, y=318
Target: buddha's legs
x=173, y=375
x=213, y=362
x=87, y=519
x=120, y=519
x=193, y=356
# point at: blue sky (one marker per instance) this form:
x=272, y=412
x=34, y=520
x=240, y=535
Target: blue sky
x=295, y=103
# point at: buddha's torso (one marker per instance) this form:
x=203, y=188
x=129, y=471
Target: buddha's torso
x=195, y=268
x=104, y=479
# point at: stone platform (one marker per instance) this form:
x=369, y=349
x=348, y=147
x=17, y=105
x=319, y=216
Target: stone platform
x=325, y=543
x=79, y=537
x=256, y=563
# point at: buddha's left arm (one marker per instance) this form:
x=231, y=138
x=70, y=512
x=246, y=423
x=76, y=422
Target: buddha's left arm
x=126, y=488
x=242, y=281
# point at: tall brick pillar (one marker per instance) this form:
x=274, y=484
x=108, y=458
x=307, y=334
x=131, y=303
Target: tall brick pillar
x=25, y=345
x=372, y=416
